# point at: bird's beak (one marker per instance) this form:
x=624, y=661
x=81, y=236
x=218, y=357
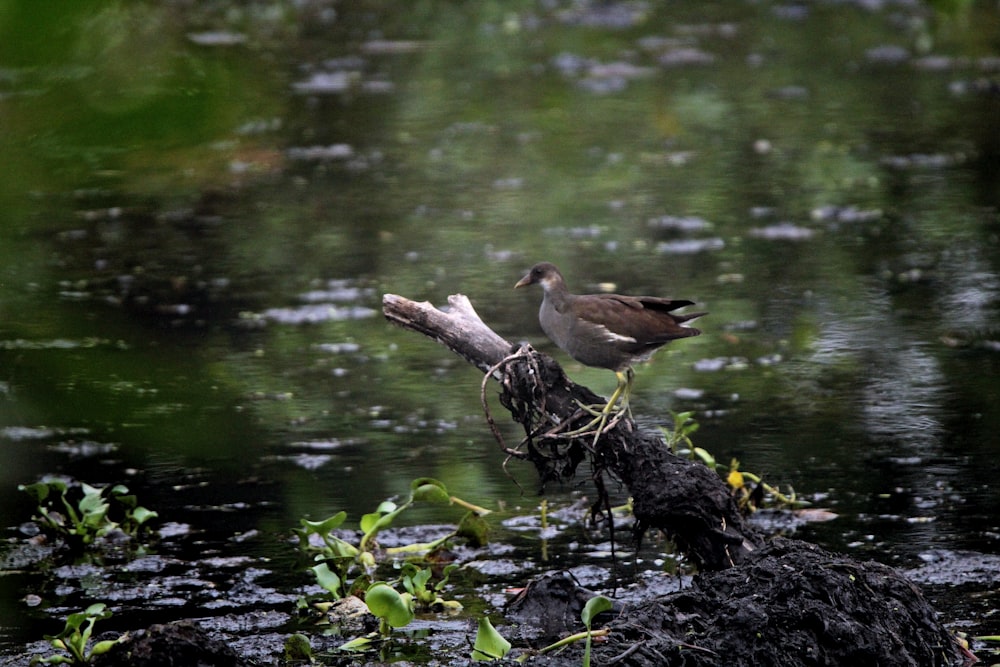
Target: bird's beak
x=523, y=282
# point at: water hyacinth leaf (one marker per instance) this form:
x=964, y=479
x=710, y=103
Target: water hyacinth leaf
x=100, y=648
x=369, y=521
x=421, y=481
x=93, y=506
x=490, y=644
x=298, y=648
x=375, y=521
x=386, y=603
x=97, y=611
x=39, y=490
x=341, y=549
x=334, y=546
x=445, y=573
x=328, y=579
x=429, y=490
x=415, y=579
x=326, y=525
x=357, y=645
x=141, y=515
x=473, y=528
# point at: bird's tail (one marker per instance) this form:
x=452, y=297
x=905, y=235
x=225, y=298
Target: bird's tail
x=687, y=317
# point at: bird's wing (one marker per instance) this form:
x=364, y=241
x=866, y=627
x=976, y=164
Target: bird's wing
x=645, y=320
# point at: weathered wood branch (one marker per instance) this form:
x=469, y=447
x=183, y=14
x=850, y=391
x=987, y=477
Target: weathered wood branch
x=684, y=499
x=459, y=328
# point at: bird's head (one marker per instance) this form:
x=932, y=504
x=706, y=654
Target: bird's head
x=545, y=274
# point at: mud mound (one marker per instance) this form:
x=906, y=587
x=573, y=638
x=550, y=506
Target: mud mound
x=790, y=604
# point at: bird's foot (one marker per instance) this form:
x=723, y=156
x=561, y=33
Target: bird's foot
x=597, y=409
x=605, y=418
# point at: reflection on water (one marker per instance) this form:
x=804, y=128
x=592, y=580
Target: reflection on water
x=902, y=406
x=196, y=238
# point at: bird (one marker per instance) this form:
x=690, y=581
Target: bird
x=610, y=331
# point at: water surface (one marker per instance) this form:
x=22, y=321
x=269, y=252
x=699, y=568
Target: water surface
x=202, y=206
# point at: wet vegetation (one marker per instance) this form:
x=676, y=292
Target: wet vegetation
x=202, y=204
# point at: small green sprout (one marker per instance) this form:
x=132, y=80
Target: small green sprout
x=338, y=560
x=87, y=520
x=594, y=606
x=417, y=582
x=679, y=437
x=76, y=636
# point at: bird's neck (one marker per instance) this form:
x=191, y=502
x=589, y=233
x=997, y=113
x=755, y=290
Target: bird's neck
x=558, y=296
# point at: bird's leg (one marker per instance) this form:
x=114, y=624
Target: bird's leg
x=627, y=390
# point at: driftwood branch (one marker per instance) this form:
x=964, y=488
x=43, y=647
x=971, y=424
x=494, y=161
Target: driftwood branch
x=459, y=328
x=684, y=499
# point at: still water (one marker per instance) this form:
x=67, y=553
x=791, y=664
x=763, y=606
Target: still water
x=202, y=205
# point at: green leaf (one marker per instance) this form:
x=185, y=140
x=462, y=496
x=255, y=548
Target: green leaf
x=705, y=457
x=93, y=507
x=385, y=507
x=129, y=501
x=430, y=493
x=328, y=579
x=595, y=605
x=369, y=521
x=474, y=528
x=375, y=521
x=358, y=645
x=421, y=578
x=298, y=648
x=389, y=605
x=334, y=546
x=490, y=644
x=415, y=581
x=445, y=573
x=326, y=525
x=141, y=515
x=99, y=610
x=429, y=490
x=39, y=490
x=100, y=648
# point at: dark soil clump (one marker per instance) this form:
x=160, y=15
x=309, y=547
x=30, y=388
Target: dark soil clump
x=790, y=604
x=181, y=644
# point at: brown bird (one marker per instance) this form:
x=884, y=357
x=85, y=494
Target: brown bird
x=606, y=330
